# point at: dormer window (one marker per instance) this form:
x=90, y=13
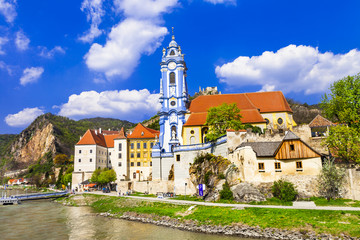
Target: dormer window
x=172, y=52
x=172, y=78
x=142, y=133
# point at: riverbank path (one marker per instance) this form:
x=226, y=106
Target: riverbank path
x=296, y=205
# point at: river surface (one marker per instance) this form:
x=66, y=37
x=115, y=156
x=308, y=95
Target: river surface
x=44, y=219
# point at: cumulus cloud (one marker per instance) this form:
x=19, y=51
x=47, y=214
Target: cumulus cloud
x=94, y=12
x=46, y=53
x=3, y=41
x=21, y=41
x=132, y=105
x=232, y=2
x=8, y=10
x=138, y=34
x=31, y=75
x=24, y=117
x=290, y=69
x=126, y=43
x=144, y=9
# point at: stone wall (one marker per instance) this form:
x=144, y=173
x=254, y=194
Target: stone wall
x=353, y=183
x=152, y=187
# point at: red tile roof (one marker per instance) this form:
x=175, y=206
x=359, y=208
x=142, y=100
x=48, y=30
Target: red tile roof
x=248, y=116
x=104, y=139
x=250, y=104
x=264, y=101
x=140, y=131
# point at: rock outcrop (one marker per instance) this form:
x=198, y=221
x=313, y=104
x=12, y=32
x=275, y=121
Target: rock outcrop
x=246, y=192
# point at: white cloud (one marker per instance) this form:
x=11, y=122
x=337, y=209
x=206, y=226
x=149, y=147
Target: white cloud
x=50, y=53
x=3, y=41
x=232, y=2
x=6, y=67
x=21, y=41
x=125, y=104
x=126, y=43
x=94, y=13
x=138, y=34
x=31, y=75
x=8, y=10
x=290, y=69
x=144, y=9
x=24, y=117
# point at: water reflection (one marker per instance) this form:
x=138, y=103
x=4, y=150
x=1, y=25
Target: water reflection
x=44, y=219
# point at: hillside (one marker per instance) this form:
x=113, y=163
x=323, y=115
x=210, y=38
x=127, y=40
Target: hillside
x=302, y=112
x=49, y=133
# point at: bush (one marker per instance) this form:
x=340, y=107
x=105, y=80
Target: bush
x=226, y=193
x=284, y=190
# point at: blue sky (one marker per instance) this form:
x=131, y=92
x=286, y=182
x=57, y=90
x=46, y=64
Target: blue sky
x=94, y=58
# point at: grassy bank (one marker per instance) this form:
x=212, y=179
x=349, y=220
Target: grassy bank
x=333, y=222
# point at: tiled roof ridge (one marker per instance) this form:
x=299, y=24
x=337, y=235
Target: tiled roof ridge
x=320, y=118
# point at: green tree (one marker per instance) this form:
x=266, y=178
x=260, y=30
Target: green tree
x=66, y=179
x=61, y=159
x=95, y=175
x=331, y=180
x=106, y=177
x=344, y=143
x=343, y=103
x=221, y=118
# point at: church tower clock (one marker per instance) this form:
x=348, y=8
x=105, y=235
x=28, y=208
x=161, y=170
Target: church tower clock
x=173, y=97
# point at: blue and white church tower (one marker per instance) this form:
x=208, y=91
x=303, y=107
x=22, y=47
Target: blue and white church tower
x=173, y=97
x=174, y=101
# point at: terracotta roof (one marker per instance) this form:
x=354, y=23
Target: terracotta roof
x=269, y=101
x=196, y=119
x=104, y=139
x=320, y=121
x=140, y=131
x=248, y=116
x=264, y=101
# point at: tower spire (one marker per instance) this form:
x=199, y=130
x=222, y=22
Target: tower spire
x=173, y=36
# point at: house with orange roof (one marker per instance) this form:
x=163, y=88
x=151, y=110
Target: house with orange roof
x=99, y=149
x=141, y=142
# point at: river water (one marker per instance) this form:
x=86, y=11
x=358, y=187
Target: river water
x=44, y=219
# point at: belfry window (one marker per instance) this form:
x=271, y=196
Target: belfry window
x=172, y=78
x=172, y=52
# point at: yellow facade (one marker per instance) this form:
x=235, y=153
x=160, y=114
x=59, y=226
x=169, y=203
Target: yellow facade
x=139, y=152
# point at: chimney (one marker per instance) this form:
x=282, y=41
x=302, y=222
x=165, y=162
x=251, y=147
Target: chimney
x=95, y=132
x=100, y=130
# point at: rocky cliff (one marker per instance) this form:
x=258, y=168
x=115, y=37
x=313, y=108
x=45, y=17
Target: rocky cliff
x=50, y=133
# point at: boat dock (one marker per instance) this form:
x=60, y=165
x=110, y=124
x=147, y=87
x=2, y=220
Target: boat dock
x=9, y=201
x=35, y=196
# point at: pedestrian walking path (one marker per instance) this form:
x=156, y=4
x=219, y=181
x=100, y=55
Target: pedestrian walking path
x=296, y=205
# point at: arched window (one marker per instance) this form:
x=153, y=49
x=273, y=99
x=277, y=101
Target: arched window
x=172, y=52
x=172, y=78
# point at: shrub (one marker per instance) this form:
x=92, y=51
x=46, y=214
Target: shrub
x=331, y=180
x=207, y=177
x=226, y=193
x=221, y=176
x=284, y=190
